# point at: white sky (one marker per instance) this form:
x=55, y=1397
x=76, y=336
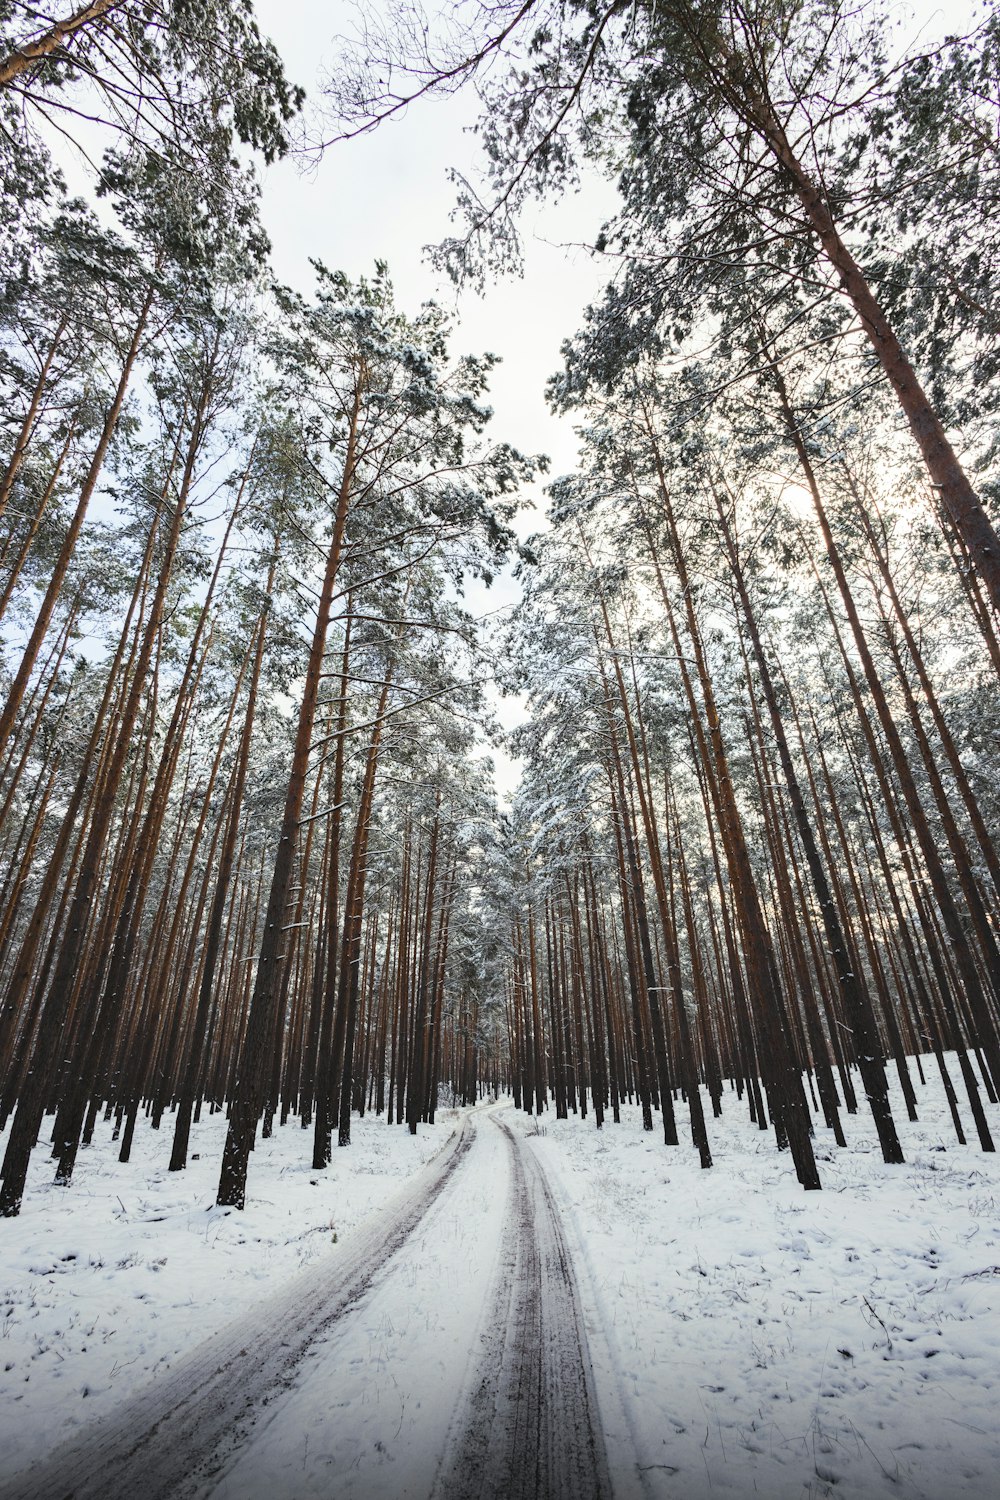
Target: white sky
x=387, y=195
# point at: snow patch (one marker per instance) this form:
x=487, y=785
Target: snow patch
x=104, y=1284
x=765, y=1341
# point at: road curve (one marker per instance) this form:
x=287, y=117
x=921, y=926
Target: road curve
x=531, y=1427
x=168, y=1441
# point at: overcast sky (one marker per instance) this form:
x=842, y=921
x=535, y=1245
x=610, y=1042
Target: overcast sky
x=387, y=195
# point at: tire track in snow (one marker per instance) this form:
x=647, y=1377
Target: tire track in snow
x=531, y=1429
x=168, y=1441
x=372, y=1404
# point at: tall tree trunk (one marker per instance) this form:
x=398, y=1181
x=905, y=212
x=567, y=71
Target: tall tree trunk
x=23, y=440
x=952, y=484
x=251, y=1079
x=16, y=693
x=38, y=48
x=857, y=1002
x=354, y=903
x=782, y=1078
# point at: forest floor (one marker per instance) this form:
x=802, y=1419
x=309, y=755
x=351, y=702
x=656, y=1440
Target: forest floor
x=793, y=1345
x=745, y=1338
x=106, y=1284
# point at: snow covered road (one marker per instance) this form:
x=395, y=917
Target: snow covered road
x=464, y=1374
x=532, y=1427
x=442, y=1351
x=743, y=1338
x=174, y=1437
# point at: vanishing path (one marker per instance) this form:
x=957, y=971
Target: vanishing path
x=532, y=1428
x=441, y=1353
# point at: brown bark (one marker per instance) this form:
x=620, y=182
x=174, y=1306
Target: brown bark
x=67, y=965
x=23, y=440
x=782, y=1078
x=30, y=656
x=653, y=988
x=53, y=40
x=856, y=1000
x=952, y=484
x=418, y=1074
x=31, y=530
x=251, y=1079
x=925, y=838
x=947, y=742
x=200, y=1031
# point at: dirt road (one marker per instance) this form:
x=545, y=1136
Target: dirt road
x=440, y=1352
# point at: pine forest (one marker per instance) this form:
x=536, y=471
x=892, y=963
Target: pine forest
x=499, y=798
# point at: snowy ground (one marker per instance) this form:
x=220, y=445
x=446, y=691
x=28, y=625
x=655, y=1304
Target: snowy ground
x=370, y=1412
x=789, y=1345
x=747, y=1338
x=104, y=1284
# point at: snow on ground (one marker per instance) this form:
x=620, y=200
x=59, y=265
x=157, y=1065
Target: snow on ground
x=369, y=1412
x=771, y=1342
x=103, y=1284
x=748, y=1338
